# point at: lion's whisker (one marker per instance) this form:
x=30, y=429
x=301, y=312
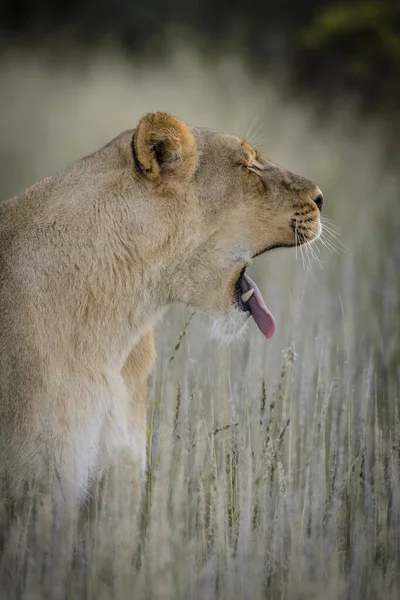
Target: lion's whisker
x=330, y=224
x=250, y=136
x=312, y=250
x=331, y=238
x=304, y=256
x=328, y=245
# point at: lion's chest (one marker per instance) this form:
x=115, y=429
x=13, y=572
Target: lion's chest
x=103, y=432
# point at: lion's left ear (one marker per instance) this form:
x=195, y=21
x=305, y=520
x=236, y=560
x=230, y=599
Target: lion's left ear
x=164, y=150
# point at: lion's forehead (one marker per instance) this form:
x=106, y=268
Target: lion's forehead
x=211, y=138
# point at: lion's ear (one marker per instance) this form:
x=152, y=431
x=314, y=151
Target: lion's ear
x=164, y=150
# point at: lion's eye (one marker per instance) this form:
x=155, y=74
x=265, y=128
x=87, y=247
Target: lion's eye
x=256, y=168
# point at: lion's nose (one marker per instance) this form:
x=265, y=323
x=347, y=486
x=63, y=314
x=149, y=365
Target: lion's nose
x=318, y=199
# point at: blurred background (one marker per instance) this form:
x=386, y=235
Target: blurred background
x=325, y=47
x=336, y=56
x=340, y=57
x=315, y=86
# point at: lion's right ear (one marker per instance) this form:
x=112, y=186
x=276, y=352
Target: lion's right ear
x=164, y=151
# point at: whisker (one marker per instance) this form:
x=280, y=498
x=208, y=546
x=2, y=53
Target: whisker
x=304, y=256
x=252, y=124
x=328, y=244
x=328, y=223
x=303, y=260
x=257, y=139
x=338, y=245
x=313, y=254
x=250, y=133
x=328, y=227
x=311, y=249
x=308, y=258
x=330, y=234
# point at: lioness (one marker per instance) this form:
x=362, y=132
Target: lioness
x=90, y=259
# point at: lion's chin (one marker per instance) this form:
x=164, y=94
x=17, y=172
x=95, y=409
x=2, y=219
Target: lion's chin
x=231, y=327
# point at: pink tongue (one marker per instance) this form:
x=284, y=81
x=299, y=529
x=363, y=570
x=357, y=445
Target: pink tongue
x=259, y=311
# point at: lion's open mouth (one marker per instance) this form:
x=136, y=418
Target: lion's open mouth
x=250, y=300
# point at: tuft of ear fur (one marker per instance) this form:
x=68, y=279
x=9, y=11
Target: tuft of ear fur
x=164, y=150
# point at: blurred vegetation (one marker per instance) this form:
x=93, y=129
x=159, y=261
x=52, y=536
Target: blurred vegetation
x=330, y=46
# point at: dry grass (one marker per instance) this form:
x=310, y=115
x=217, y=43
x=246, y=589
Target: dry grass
x=273, y=466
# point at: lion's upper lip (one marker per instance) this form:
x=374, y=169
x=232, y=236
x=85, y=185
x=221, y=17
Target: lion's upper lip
x=256, y=306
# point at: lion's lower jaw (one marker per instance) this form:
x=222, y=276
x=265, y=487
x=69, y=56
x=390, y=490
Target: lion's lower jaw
x=231, y=328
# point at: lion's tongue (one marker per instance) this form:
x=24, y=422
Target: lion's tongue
x=259, y=310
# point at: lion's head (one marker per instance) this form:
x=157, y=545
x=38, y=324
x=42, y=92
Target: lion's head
x=228, y=204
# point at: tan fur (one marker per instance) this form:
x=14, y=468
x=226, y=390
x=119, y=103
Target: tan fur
x=89, y=260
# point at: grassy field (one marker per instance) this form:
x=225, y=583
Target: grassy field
x=274, y=466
